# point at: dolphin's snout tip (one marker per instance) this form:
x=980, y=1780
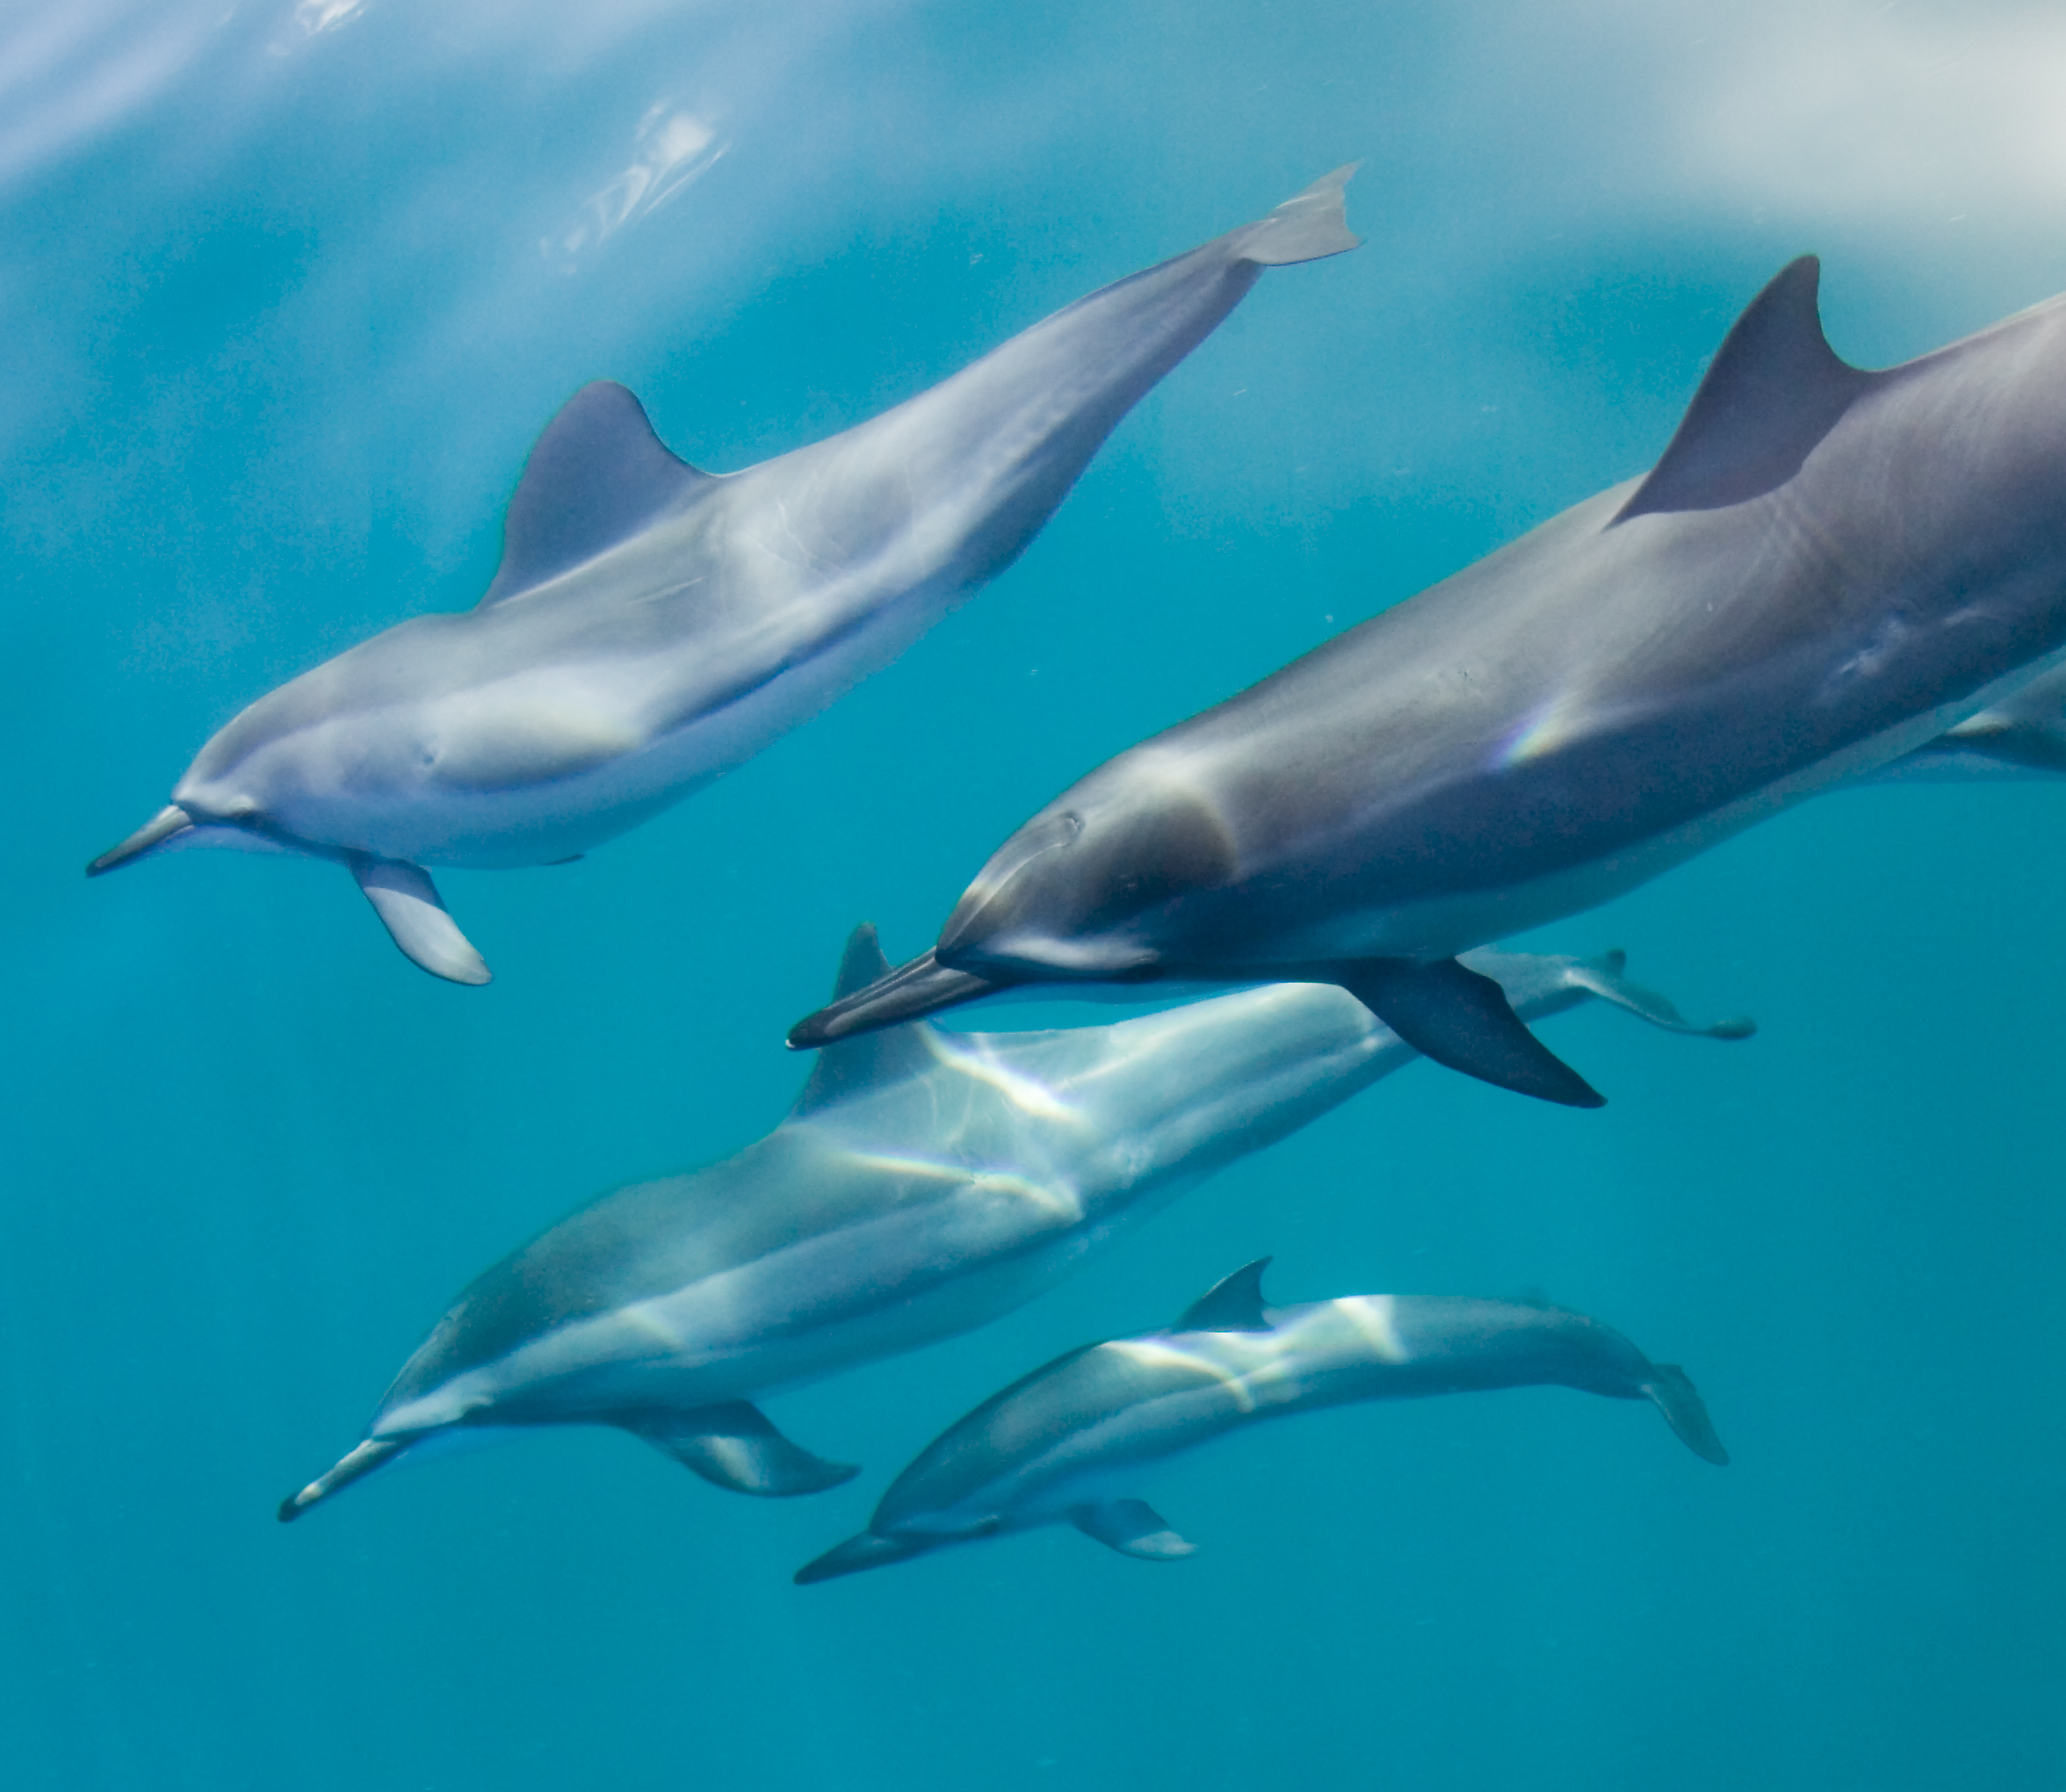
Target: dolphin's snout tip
x=869, y=1550
x=161, y=827
x=912, y=991
x=293, y=1506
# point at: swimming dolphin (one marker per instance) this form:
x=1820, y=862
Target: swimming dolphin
x=925, y=1184
x=1828, y=569
x=1069, y=1443
x=652, y=626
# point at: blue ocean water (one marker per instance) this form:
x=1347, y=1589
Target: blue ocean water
x=288, y=292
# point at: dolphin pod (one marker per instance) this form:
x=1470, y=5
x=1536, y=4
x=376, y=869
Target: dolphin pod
x=651, y=627
x=1066, y=1444
x=925, y=1184
x=1828, y=570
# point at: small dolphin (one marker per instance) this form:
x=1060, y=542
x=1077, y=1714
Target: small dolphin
x=1068, y=1443
x=925, y=1184
x=1828, y=569
x=652, y=626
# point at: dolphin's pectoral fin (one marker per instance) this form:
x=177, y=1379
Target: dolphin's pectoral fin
x=1603, y=979
x=1672, y=1393
x=1776, y=389
x=363, y=1461
x=407, y=902
x=734, y=1446
x=597, y=474
x=1461, y=1019
x=1233, y=1305
x=868, y=1060
x=1133, y=1527
x=869, y=1550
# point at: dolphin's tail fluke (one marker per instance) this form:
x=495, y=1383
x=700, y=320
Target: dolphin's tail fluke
x=361, y=1462
x=869, y=1550
x=1673, y=1394
x=1602, y=976
x=161, y=827
x=1306, y=226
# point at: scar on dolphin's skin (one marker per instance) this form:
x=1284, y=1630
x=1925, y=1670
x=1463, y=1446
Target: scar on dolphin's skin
x=1055, y=1447
x=1631, y=682
x=926, y=1182
x=652, y=626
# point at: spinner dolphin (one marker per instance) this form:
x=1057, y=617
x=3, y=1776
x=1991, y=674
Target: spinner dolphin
x=926, y=1182
x=1066, y=1444
x=652, y=626
x=1827, y=569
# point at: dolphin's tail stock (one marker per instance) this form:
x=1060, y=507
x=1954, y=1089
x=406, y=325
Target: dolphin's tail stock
x=1306, y=226
x=361, y=1462
x=1673, y=1394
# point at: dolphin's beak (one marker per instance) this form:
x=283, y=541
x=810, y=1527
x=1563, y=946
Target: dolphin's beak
x=161, y=827
x=923, y=987
x=867, y=1551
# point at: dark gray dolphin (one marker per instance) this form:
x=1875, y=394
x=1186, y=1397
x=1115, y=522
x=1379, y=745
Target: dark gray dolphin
x=1070, y=1442
x=925, y=1184
x=1827, y=569
x=2023, y=736
x=651, y=625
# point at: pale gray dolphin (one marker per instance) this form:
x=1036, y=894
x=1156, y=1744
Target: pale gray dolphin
x=926, y=1182
x=652, y=626
x=1069, y=1443
x=1828, y=569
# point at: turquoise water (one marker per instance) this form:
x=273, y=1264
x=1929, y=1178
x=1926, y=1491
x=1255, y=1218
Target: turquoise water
x=288, y=293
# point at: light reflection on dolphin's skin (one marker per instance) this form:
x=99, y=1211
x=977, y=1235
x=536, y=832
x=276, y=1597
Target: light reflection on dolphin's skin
x=1069, y=1443
x=926, y=1182
x=652, y=626
x=1828, y=569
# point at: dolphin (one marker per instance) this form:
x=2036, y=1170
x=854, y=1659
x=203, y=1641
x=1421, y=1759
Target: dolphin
x=1828, y=569
x=2021, y=737
x=652, y=626
x=925, y=1182
x=1069, y=1443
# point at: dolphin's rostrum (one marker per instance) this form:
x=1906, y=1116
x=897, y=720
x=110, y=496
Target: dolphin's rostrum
x=652, y=626
x=926, y=1182
x=1068, y=1443
x=1828, y=569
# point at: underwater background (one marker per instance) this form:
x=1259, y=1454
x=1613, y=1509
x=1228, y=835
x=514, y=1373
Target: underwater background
x=286, y=291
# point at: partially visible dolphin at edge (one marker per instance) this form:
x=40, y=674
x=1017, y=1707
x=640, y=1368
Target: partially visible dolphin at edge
x=925, y=1184
x=1828, y=569
x=652, y=626
x=1068, y=1443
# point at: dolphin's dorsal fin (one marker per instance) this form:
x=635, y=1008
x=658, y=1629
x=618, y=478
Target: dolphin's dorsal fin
x=1234, y=1304
x=1776, y=389
x=598, y=474
x=849, y=1064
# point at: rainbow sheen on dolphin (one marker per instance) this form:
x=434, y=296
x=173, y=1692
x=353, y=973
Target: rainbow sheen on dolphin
x=1070, y=1444
x=652, y=626
x=1828, y=569
x=926, y=1182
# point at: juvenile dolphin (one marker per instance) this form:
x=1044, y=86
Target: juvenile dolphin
x=651, y=627
x=925, y=1182
x=1069, y=1443
x=1828, y=569
x=2023, y=736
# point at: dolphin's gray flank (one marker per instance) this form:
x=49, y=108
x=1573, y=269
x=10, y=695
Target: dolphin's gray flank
x=651, y=625
x=1805, y=590
x=1063, y=1444
x=924, y=1183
